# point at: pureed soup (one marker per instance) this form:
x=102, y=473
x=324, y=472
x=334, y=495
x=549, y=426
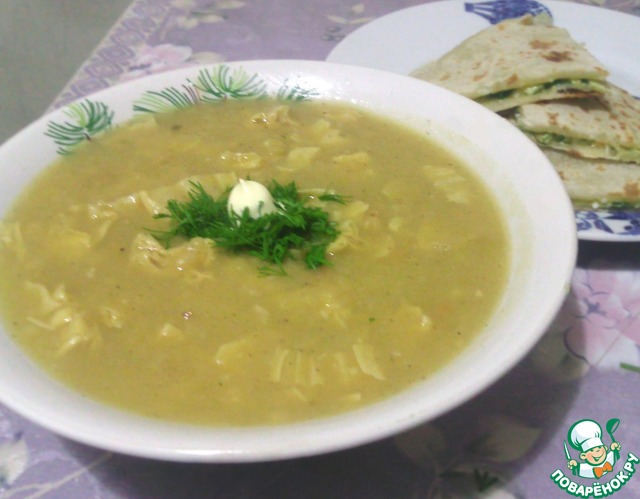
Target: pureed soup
x=194, y=332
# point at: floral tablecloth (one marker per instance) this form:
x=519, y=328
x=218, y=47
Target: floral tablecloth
x=506, y=442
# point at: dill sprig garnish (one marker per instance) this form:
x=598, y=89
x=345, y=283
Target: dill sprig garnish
x=274, y=237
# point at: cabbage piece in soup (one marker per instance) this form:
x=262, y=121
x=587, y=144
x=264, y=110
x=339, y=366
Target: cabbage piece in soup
x=195, y=333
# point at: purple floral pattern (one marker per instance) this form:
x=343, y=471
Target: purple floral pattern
x=150, y=60
x=602, y=307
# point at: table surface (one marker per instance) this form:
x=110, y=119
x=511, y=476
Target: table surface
x=506, y=442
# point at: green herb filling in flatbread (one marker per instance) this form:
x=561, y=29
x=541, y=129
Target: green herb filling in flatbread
x=597, y=183
x=604, y=128
x=515, y=62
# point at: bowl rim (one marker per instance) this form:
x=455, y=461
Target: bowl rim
x=67, y=413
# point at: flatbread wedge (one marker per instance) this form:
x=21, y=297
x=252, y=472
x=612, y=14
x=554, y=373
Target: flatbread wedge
x=597, y=183
x=516, y=62
x=604, y=128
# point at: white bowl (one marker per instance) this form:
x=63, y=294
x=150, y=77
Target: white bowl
x=540, y=223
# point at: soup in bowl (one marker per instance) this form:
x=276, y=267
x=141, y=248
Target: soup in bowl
x=269, y=259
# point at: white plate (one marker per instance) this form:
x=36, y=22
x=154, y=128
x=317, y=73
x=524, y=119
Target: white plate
x=406, y=39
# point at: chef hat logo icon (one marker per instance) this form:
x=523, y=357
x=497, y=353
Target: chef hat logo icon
x=595, y=458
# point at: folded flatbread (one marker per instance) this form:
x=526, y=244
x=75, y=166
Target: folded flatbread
x=596, y=183
x=604, y=128
x=515, y=62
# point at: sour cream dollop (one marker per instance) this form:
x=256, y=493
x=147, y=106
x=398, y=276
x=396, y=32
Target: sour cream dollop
x=252, y=195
